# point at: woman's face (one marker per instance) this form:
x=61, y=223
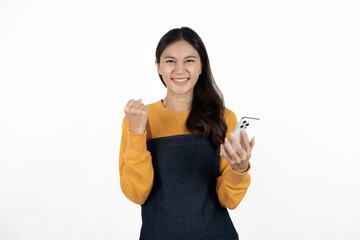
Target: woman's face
x=180, y=67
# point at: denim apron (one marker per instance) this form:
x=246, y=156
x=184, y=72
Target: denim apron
x=183, y=203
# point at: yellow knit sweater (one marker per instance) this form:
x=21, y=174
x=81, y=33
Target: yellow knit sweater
x=135, y=163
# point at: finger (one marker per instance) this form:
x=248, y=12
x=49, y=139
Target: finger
x=245, y=139
x=223, y=153
x=136, y=105
x=240, y=155
x=141, y=106
x=236, y=142
x=252, y=142
x=230, y=150
x=128, y=104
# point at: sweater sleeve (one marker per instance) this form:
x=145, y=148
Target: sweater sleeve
x=135, y=165
x=231, y=186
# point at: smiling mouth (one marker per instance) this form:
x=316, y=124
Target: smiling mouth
x=180, y=80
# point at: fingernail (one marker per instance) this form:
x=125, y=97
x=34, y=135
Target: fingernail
x=226, y=140
x=232, y=134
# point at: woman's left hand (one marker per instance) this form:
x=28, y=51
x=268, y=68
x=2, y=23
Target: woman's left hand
x=238, y=161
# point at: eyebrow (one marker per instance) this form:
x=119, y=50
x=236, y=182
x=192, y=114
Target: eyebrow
x=175, y=58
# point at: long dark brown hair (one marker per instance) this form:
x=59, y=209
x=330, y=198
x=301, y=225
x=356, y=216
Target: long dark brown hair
x=206, y=116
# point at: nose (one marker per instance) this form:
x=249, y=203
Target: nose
x=180, y=68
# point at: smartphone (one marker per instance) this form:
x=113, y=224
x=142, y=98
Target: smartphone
x=248, y=124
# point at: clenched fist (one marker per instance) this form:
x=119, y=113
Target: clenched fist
x=137, y=115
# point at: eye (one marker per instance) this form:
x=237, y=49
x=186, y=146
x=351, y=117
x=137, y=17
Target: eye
x=170, y=61
x=190, y=60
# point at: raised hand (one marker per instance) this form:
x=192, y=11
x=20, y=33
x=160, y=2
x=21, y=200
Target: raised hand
x=137, y=115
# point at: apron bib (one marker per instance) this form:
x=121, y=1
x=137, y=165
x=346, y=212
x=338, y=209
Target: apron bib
x=183, y=203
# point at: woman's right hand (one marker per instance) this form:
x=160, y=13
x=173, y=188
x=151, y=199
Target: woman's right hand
x=137, y=115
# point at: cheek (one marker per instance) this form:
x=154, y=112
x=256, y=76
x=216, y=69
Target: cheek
x=167, y=72
x=195, y=70
x=164, y=71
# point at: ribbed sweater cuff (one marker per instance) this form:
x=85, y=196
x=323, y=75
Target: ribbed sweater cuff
x=236, y=177
x=136, y=143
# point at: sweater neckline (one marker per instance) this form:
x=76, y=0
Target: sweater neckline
x=172, y=112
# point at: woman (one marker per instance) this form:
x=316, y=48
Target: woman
x=170, y=150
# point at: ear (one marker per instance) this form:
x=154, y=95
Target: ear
x=158, y=67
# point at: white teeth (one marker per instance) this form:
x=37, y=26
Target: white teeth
x=180, y=80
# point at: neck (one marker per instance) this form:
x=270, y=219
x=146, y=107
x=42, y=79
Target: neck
x=176, y=103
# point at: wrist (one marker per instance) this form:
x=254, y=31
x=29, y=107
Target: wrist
x=242, y=169
x=137, y=131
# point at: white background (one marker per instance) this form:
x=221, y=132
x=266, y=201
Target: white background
x=67, y=69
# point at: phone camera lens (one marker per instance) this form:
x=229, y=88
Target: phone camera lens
x=241, y=126
x=247, y=124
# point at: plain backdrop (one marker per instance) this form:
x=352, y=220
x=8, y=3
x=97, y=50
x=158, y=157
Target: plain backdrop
x=67, y=69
